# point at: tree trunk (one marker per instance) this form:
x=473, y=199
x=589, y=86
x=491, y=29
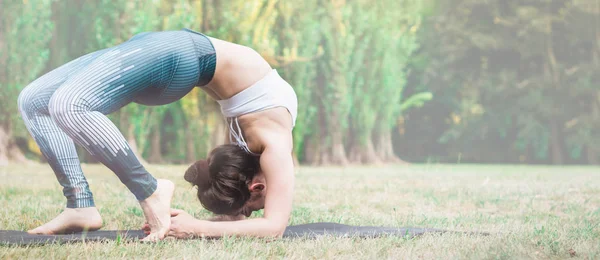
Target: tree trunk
x=363, y=154
x=315, y=150
x=209, y=10
x=124, y=117
x=54, y=45
x=553, y=74
x=555, y=144
x=3, y=53
x=4, y=136
x=155, y=146
x=133, y=144
x=592, y=152
x=592, y=156
x=361, y=149
x=220, y=134
x=190, y=145
x=16, y=155
x=309, y=150
x=338, y=152
x=335, y=113
x=4, y=146
x=385, y=148
x=322, y=155
x=9, y=151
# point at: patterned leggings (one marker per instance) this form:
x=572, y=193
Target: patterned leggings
x=69, y=104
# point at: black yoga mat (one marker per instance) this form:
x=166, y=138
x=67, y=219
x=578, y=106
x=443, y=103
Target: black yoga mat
x=313, y=230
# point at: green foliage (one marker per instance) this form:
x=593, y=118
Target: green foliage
x=24, y=38
x=292, y=30
x=514, y=78
x=377, y=68
x=416, y=100
x=454, y=78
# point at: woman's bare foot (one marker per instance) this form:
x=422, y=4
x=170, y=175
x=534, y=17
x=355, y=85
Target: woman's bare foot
x=157, y=210
x=71, y=221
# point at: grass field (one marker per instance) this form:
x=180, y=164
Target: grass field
x=534, y=212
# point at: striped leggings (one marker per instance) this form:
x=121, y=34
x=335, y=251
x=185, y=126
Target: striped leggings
x=69, y=104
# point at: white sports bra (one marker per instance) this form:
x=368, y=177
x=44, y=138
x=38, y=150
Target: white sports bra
x=269, y=92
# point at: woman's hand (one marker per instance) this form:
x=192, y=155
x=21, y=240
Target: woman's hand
x=183, y=225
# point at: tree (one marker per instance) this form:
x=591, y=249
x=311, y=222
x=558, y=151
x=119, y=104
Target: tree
x=23, y=54
x=505, y=73
x=296, y=62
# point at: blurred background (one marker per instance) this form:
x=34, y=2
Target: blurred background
x=385, y=81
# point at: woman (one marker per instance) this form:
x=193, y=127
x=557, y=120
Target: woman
x=69, y=105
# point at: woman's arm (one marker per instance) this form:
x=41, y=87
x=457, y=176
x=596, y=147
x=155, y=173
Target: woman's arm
x=227, y=218
x=278, y=167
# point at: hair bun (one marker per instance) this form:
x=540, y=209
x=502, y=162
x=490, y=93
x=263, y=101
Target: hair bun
x=198, y=173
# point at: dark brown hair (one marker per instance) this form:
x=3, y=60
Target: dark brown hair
x=223, y=179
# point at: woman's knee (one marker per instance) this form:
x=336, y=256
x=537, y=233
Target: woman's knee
x=64, y=107
x=31, y=99
x=24, y=100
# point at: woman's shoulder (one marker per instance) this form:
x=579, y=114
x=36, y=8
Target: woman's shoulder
x=268, y=128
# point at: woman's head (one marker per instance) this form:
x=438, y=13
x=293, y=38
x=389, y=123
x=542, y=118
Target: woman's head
x=229, y=181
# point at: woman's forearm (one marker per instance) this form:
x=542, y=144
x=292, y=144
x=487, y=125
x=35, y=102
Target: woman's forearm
x=258, y=227
x=227, y=218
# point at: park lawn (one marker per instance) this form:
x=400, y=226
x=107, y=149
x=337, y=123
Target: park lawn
x=538, y=212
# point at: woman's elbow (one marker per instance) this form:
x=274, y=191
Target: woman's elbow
x=276, y=231
x=279, y=232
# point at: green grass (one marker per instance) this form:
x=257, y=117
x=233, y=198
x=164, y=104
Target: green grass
x=534, y=212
